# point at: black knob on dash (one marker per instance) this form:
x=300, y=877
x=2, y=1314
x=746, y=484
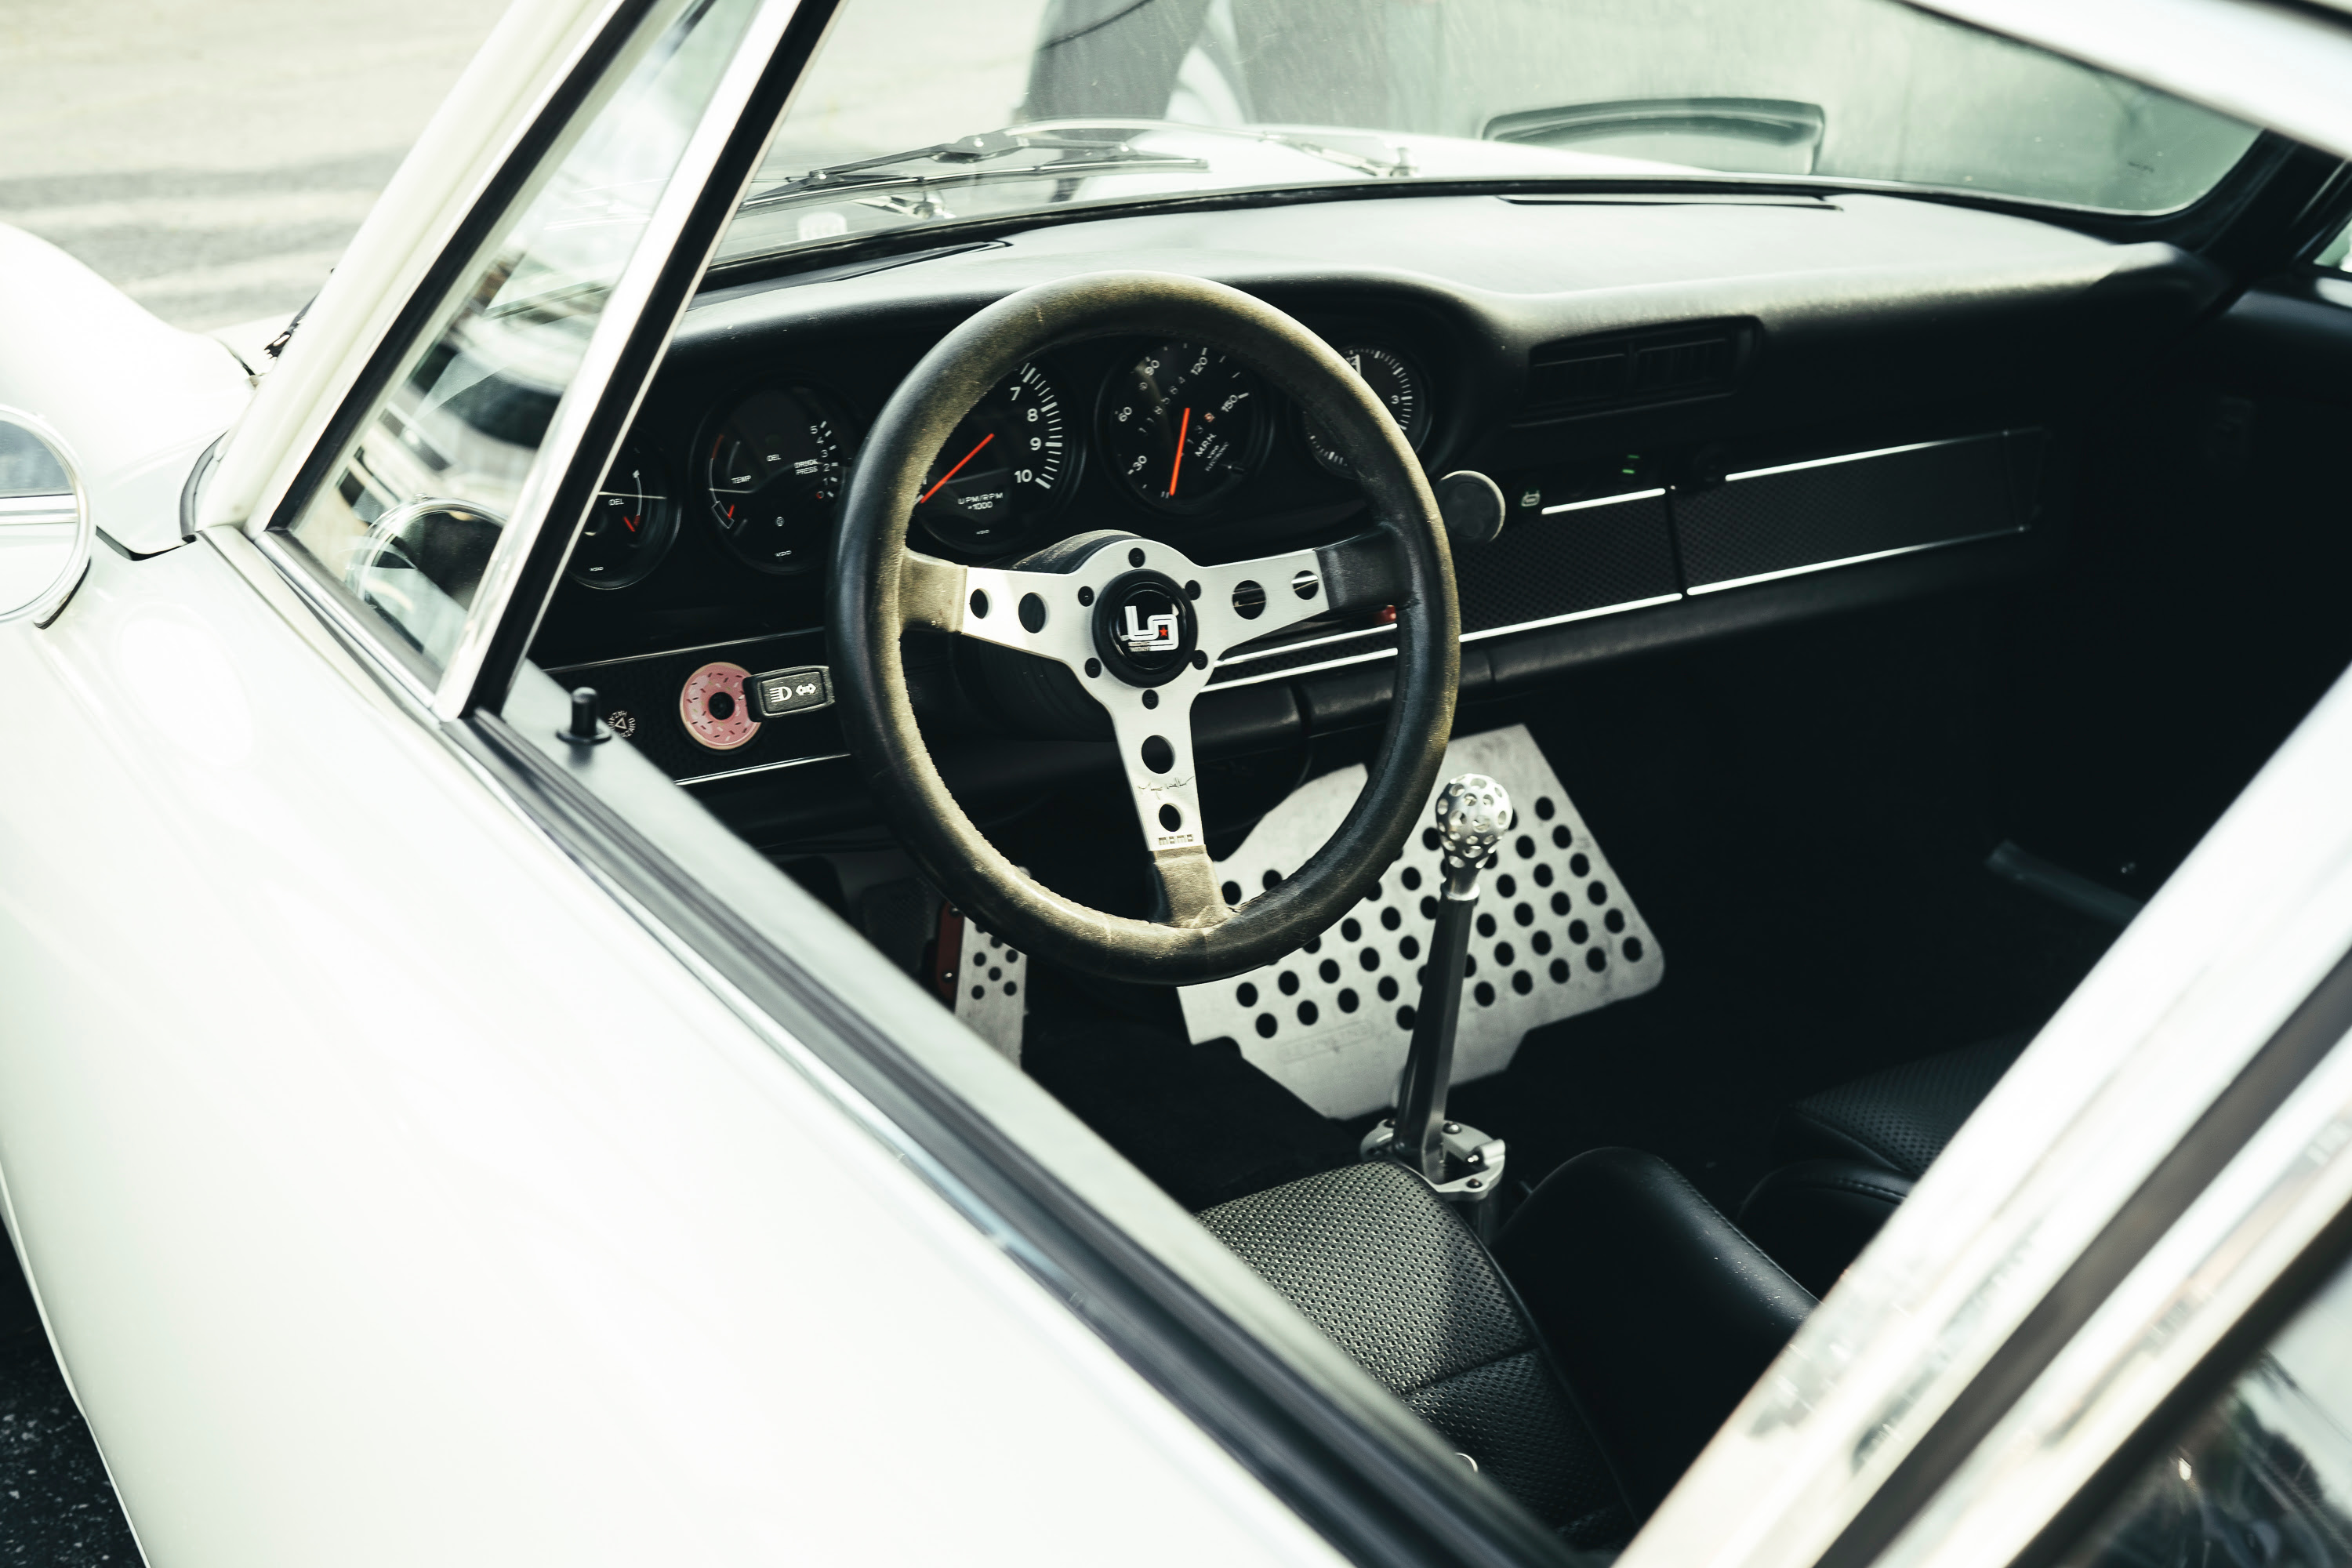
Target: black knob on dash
x=586, y=729
x=1471, y=506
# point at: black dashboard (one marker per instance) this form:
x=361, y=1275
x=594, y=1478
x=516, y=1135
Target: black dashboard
x=1704, y=414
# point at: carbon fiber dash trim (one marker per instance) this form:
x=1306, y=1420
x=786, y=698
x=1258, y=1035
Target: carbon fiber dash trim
x=1833, y=512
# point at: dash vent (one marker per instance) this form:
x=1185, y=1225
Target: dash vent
x=1591, y=375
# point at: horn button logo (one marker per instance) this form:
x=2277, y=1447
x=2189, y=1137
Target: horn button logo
x=1144, y=628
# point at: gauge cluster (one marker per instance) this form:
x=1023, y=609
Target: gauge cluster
x=733, y=475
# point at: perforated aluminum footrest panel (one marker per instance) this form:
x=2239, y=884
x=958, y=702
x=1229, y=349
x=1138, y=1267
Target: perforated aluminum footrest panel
x=992, y=990
x=1332, y=1022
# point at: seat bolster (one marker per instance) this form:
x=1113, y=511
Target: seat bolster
x=1814, y=1217
x=1899, y=1118
x=1660, y=1313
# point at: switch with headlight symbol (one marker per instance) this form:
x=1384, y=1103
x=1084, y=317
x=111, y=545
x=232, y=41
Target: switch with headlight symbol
x=801, y=689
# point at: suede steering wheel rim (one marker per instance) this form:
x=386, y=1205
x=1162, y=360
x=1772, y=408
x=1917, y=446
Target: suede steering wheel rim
x=1066, y=611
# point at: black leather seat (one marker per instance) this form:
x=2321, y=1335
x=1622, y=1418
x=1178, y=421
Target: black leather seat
x=1662, y=1313
x=1845, y=1157
x=1627, y=1317
x=1391, y=1275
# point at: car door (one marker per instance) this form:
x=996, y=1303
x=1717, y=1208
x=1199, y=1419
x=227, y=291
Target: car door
x=394, y=1186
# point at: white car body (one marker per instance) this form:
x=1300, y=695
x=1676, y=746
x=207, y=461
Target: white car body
x=396, y=1188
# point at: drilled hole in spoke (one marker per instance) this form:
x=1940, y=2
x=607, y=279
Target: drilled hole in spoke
x=1157, y=753
x=1249, y=600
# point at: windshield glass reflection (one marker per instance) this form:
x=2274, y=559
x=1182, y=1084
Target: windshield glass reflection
x=916, y=113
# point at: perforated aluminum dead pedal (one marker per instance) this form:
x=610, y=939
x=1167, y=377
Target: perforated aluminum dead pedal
x=1556, y=935
x=991, y=991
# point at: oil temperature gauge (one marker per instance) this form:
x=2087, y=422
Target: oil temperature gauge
x=715, y=707
x=630, y=527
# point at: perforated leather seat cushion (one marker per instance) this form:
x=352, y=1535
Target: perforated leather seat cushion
x=1900, y=1118
x=1377, y=1262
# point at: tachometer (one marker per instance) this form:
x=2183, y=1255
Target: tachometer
x=773, y=470
x=630, y=524
x=1183, y=426
x=1397, y=386
x=1008, y=466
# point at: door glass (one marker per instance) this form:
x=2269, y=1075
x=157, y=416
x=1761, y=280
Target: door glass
x=405, y=523
x=2338, y=251
x=2263, y=1478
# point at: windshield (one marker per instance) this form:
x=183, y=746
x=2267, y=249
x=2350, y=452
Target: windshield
x=917, y=111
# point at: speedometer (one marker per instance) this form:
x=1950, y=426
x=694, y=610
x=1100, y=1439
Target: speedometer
x=1008, y=468
x=773, y=468
x=1183, y=426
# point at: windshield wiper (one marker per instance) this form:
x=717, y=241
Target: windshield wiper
x=868, y=177
x=1087, y=147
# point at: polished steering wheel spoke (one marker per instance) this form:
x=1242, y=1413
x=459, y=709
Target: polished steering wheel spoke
x=1155, y=750
x=1247, y=600
x=1129, y=623
x=1033, y=612
x=1141, y=626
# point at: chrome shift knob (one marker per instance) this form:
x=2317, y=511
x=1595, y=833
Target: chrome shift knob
x=1473, y=814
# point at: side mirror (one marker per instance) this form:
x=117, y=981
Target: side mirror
x=46, y=532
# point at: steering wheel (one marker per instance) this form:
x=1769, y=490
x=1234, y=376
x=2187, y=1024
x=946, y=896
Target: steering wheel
x=1140, y=625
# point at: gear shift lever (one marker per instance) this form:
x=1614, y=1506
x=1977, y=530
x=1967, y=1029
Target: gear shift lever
x=1462, y=1163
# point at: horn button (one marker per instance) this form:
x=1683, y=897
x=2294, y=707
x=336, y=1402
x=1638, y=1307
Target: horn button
x=1145, y=628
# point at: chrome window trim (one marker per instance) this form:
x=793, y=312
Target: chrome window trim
x=562, y=98
x=624, y=308
x=400, y=668
x=2167, y=1022
x=446, y=187
x=2232, y=1248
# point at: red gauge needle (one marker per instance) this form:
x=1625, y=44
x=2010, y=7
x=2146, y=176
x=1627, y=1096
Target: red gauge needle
x=951, y=473
x=632, y=522
x=1177, y=472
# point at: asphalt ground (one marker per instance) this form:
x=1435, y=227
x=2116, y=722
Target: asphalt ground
x=212, y=158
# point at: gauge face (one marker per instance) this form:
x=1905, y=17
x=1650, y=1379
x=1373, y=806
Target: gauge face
x=715, y=707
x=1183, y=426
x=630, y=524
x=1397, y=386
x=1007, y=469
x=774, y=471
